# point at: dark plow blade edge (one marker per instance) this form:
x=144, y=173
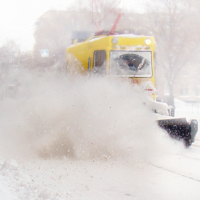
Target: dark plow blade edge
x=180, y=129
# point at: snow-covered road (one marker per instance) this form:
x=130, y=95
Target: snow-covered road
x=170, y=177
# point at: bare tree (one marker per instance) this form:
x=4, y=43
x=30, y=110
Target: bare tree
x=172, y=26
x=9, y=56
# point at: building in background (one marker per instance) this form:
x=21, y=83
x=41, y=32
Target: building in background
x=186, y=86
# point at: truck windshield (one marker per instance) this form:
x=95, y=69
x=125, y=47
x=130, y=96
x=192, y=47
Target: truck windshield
x=130, y=63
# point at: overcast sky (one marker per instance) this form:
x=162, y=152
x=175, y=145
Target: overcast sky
x=17, y=18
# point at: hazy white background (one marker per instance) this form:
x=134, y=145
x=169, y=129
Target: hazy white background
x=17, y=17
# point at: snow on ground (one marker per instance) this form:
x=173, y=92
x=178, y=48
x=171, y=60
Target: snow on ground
x=64, y=139
x=189, y=110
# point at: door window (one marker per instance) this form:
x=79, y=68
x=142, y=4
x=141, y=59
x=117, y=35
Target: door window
x=99, y=65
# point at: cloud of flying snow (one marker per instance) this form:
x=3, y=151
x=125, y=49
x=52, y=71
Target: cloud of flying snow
x=52, y=116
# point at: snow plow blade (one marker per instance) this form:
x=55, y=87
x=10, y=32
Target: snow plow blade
x=181, y=129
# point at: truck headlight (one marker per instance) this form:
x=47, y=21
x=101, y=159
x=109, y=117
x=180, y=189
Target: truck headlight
x=147, y=41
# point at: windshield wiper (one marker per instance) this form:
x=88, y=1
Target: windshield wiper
x=140, y=66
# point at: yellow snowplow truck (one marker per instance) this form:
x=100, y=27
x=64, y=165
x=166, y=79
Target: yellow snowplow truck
x=130, y=57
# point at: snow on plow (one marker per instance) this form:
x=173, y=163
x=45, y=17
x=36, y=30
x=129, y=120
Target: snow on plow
x=180, y=128
x=177, y=127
